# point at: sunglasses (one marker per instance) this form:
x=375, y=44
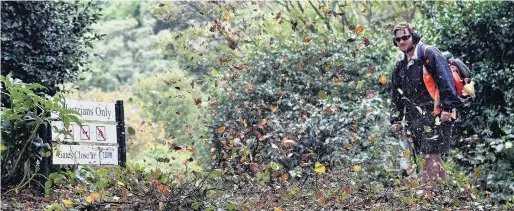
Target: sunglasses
x=404, y=38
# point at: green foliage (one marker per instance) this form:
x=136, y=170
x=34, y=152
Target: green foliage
x=317, y=94
x=24, y=126
x=129, y=50
x=45, y=42
x=480, y=34
x=175, y=100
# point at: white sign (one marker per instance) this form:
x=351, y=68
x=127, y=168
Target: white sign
x=81, y=154
x=92, y=111
x=88, y=133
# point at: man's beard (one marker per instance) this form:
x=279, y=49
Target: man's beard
x=408, y=49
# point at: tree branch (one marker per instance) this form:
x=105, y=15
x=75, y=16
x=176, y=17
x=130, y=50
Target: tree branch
x=300, y=5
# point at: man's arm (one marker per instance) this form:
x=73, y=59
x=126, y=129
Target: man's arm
x=441, y=72
x=397, y=104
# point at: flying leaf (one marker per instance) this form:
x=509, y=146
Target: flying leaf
x=221, y=129
x=319, y=168
x=359, y=30
x=427, y=129
x=437, y=121
x=131, y=131
x=364, y=12
x=261, y=5
x=226, y=15
x=277, y=16
x=406, y=154
x=273, y=108
x=382, y=79
x=322, y=94
x=163, y=160
x=371, y=70
x=400, y=91
x=360, y=84
x=351, y=39
x=347, y=189
x=357, y=168
x=420, y=110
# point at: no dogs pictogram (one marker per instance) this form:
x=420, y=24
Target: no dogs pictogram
x=100, y=133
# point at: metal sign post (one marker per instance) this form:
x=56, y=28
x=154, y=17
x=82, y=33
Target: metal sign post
x=100, y=140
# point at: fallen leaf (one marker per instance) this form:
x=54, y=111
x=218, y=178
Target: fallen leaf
x=214, y=71
x=261, y=5
x=352, y=27
x=92, y=197
x=284, y=177
x=67, y=203
x=319, y=168
x=306, y=40
x=288, y=143
x=47, y=198
x=357, y=168
x=366, y=42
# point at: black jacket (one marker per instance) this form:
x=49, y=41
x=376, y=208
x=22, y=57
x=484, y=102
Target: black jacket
x=408, y=76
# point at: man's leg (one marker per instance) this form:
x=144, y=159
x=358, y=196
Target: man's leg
x=433, y=168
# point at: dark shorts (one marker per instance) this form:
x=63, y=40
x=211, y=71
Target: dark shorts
x=428, y=137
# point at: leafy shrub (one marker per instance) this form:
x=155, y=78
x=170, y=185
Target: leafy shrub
x=24, y=127
x=46, y=42
x=308, y=100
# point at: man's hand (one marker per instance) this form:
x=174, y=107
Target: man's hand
x=446, y=116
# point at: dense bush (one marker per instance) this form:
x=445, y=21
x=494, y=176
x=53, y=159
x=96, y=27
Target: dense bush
x=307, y=100
x=45, y=42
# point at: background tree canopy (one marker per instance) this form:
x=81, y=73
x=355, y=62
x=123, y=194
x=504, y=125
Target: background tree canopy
x=232, y=98
x=48, y=46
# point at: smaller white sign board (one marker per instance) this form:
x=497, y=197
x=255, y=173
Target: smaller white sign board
x=92, y=111
x=81, y=154
x=88, y=133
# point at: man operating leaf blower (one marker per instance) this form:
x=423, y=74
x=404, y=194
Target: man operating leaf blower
x=424, y=100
